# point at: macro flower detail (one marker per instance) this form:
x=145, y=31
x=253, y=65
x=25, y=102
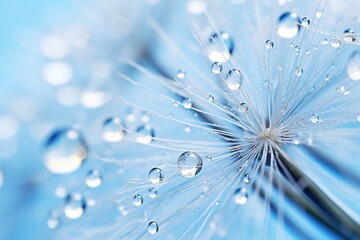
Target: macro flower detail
x=236, y=119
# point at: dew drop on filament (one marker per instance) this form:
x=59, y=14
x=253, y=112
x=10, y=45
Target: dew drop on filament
x=189, y=164
x=288, y=25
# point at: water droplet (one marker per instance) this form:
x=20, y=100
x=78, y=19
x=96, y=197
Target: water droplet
x=269, y=44
x=233, y=79
x=210, y=98
x=325, y=41
x=156, y=175
x=305, y=22
x=187, y=103
x=152, y=193
x=93, y=178
x=221, y=47
x=335, y=43
x=240, y=196
x=181, y=74
x=138, y=200
x=187, y=129
x=242, y=108
x=247, y=178
x=314, y=118
x=288, y=25
x=65, y=151
x=216, y=68
x=75, y=206
x=297, y=50
x=145, y=134
x=113, y=130
x=298, y=71
x=318, y=14
x=343, y=90
x=53, y=221
x=353, y=66
x=349, y=35
x=189, y=164
x=153, y=227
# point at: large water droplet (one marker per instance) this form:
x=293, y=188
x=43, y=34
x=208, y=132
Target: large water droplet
x=189, y=164
x=145, y=134
x=240, y=196
x=221, y=47
x=138, y=200
x=153, y=227
x=65, y=151
x=156, y=175
x=353, y=66
x=233, y=79
x=75, y=206
x=93, y=178
x=112, y=130
x=288, y=25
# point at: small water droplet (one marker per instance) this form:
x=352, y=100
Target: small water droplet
x=145, y=134
x=53, y=221
x=187, y=103
x=93, y=178
x=152, y=193
x=210, y=98
x=305, y=22
x=75, y=206
x=269, y=44
x=138, y=200
x=153, y=227
x=353, y=66
x=349, y=35
x=297, y=50
x=240, y=196
x=298, y=71
x=343, y=90
x=335, y=42
x=314, y=118
x=247, y=178
x=189, y=164
x=233, y=79
x=221, y=47
x=242, y=108
x=288, y=25
x=156, y=175
x=358, y=118
x=216, y=67
x=325, y=41
x=181, y=74
x=318, y=14
x=65, y=151
x=113, y=130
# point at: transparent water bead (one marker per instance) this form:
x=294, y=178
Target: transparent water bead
x=298, y=71
x=211, y=98
x=246, y=178
x=75, y=206
x=113, y=130
x=187, y=103
x=353, y=66
x=93, y=178
x=65, y=151
x=221, y=47
x=288, y=25
x=156, y=175
x=216, y=68
x=233, y=79
x=335, y=42
x=138, y=200
x=152, y=193
x=153, y=227
x=269, y=44
x=305, y=22
x=349, y=35
x=243, y=108
x=240, y=196
x=145, y=134
x=181, y=74
x=189, y=164
x=314, y=118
